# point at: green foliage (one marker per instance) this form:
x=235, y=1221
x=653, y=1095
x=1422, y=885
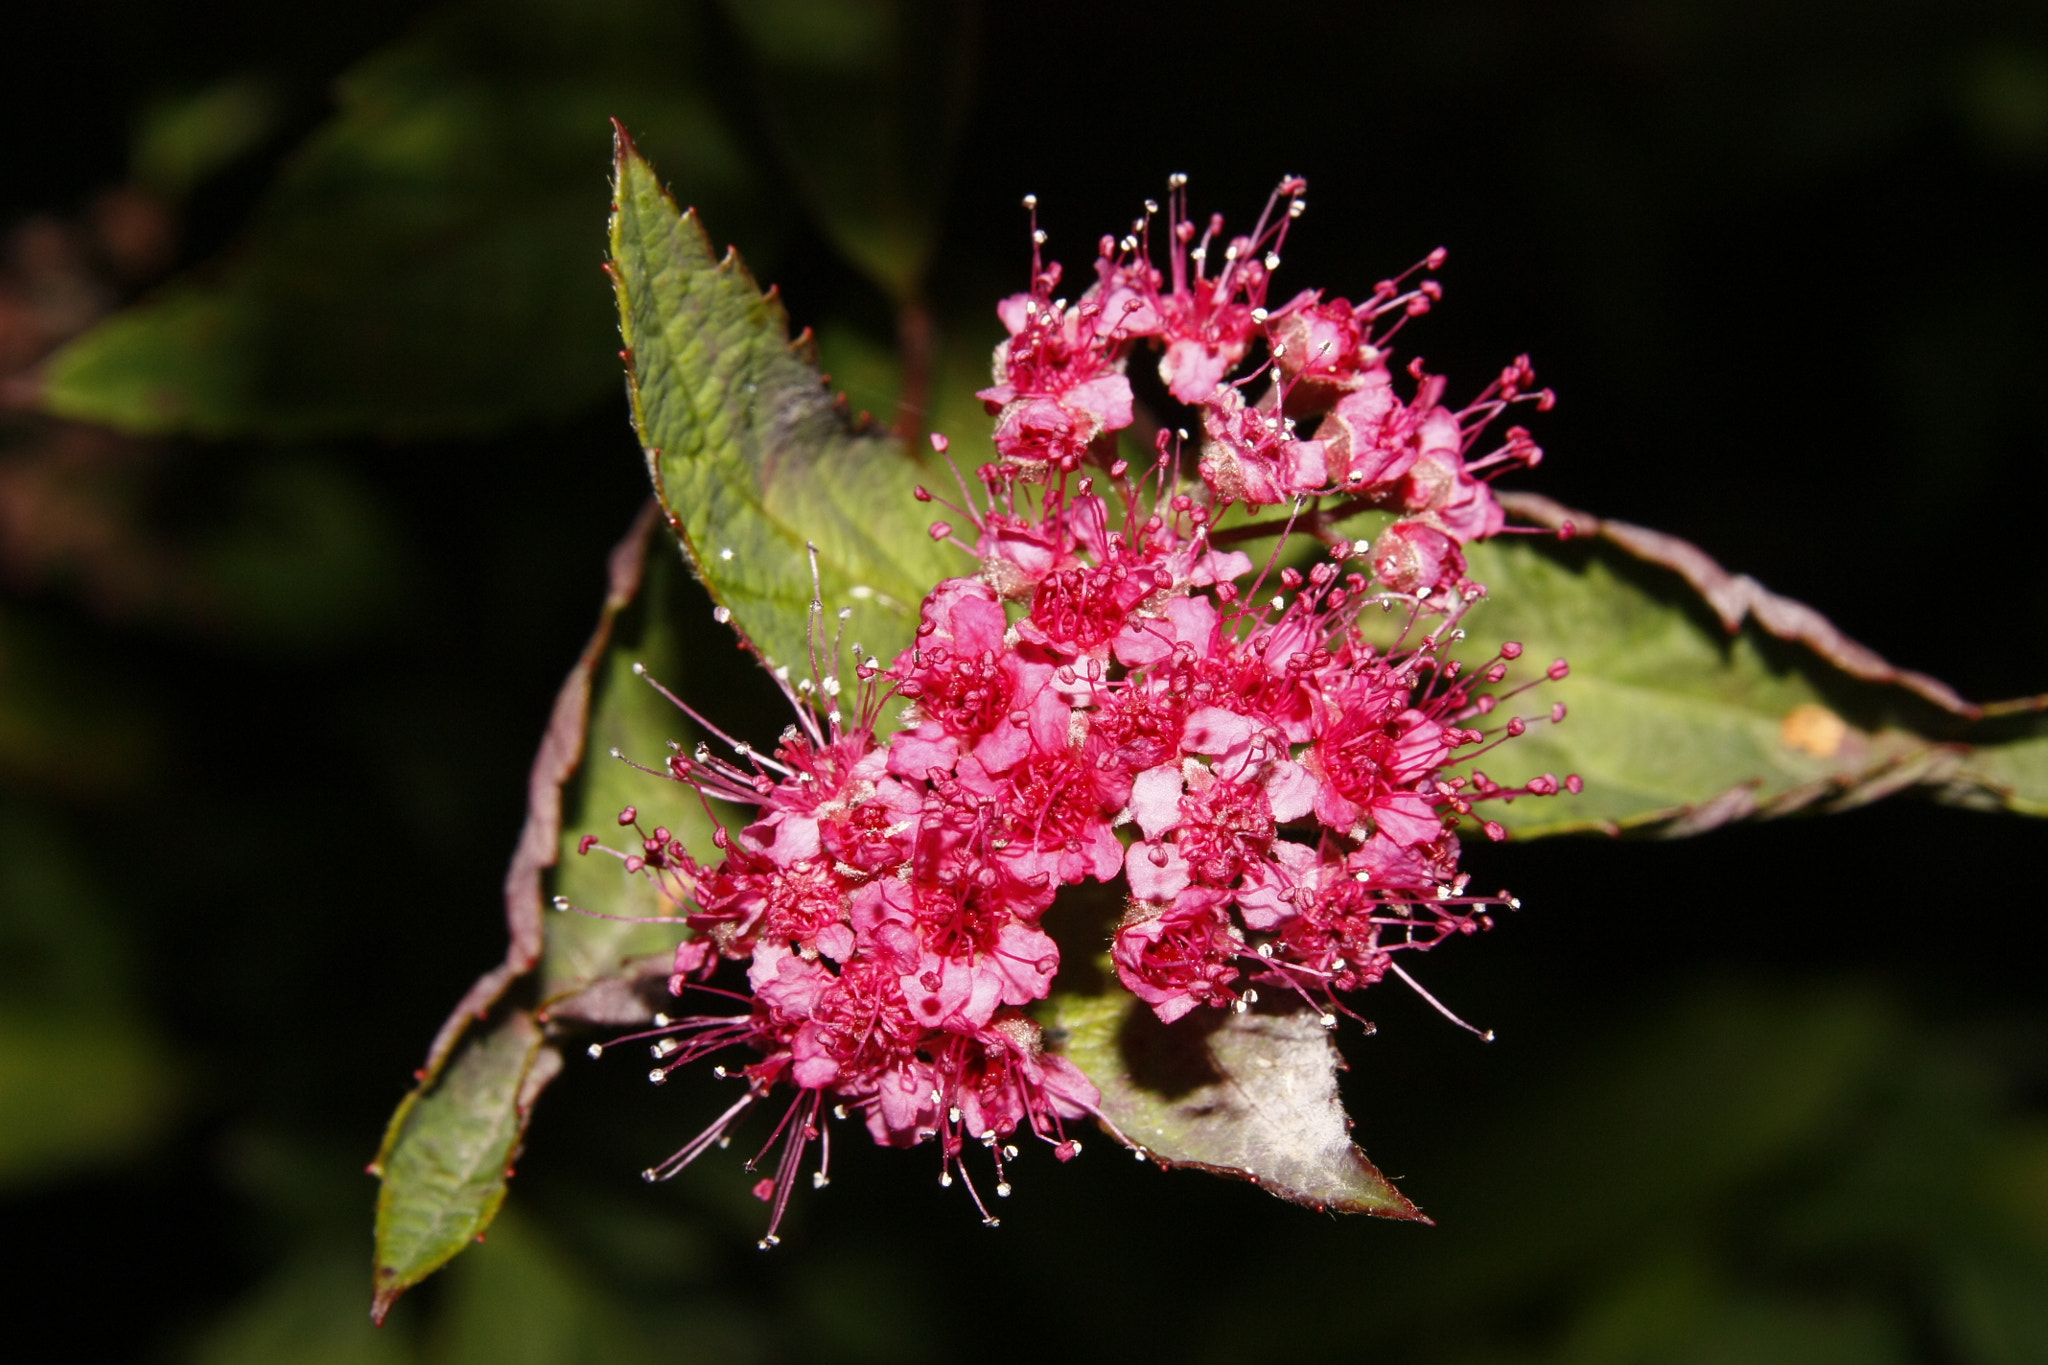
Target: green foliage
x=425, y=263
x=751, y=457
x=1726, y=1178
x=85, y=1080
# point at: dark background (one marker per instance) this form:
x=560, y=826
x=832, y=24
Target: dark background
x=268, y=690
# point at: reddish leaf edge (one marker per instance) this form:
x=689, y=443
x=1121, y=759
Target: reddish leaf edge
x=1735, y=598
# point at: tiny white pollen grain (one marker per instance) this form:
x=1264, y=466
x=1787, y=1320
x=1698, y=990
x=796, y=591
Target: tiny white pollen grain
x=725, y=553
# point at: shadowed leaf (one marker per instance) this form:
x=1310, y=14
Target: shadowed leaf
x=751, y=456
x=1247, y=1095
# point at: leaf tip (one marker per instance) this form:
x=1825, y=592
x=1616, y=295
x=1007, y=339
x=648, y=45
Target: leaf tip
x=622, y=144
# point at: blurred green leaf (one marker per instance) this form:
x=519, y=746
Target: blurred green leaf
x=425, y=263
x=79, y=1090
x=85, y=1080
x=1679, y=724
x=521, y=1301
x=183, y=140
x=309, y=1312
x=867, y=100
x=448, y=1151
x=307, y=561
x=1251, y=1095
x=750, y=456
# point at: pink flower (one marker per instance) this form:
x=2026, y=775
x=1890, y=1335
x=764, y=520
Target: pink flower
x=1178, y=956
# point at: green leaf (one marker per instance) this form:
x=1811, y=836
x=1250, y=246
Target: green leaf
x=1247, y=1095
x=424, y=263
x=751, y=457
x=447, y=1153
x=1696, y=697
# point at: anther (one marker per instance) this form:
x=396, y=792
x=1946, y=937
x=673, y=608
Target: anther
x=595, y=1051
x=721, y=614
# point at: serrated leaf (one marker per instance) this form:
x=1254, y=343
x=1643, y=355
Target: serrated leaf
x=422, y=264
x=445, y=1156
x=1696, y=697
x=1250, y=1095
x=751, y=456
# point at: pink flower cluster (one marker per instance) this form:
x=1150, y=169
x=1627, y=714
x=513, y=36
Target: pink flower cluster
x=1264, y=756
x=1062, y=383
